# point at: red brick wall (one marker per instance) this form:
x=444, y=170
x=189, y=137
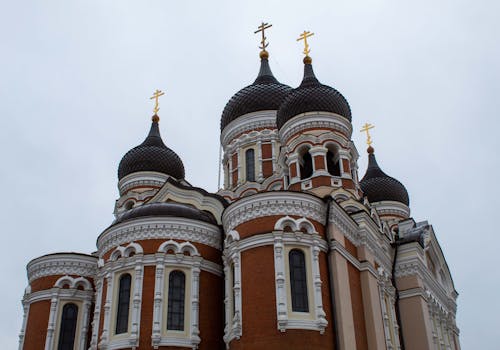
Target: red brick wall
x=148, y=290
x=357, y=308
x=211, y=311
x=36, y=327
x=267, y=151
x=319, y=162
x=267, y=168
x=259, y=308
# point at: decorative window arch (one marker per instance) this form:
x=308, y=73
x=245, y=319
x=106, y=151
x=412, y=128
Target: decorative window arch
x=176, y=300
x=67, y=331
x=175, y=313
x=250, y=164
x=123, y=306
x=305, y=162
x=298, y=280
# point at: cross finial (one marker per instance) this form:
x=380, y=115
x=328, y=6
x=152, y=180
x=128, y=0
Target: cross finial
x=306, y=34
x=263, y=43
x=155, y=96
x=366, y=128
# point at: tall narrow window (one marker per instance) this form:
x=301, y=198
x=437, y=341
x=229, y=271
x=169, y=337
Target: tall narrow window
x=176, y=299
x=250, y=164
x=123, y=304
x=306, y=167
x=67, y=333
x=332, y=165
x=298, y=280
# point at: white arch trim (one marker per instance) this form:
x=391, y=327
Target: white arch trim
x=178, y=248
x=73, y=282
x=295, y=224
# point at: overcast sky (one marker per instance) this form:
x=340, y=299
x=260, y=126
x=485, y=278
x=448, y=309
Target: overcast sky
x=75, y=81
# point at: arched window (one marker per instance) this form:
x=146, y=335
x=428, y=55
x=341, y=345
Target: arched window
x=306, y=166
x=298, y=280
x=123, y=304
x=176, y=299
x=250, y=164
x=67, y=333
x=332, y=162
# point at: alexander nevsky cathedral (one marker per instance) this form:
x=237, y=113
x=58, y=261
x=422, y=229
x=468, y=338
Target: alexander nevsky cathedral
x=294, y=252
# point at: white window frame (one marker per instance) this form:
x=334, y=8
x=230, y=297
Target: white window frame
x=190, y=265
x=232, y=257
x=309, y=243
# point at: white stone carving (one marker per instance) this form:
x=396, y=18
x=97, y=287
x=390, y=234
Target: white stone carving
x=62, y=264
x=159, y=228
x=267, y=204
x=127, y=251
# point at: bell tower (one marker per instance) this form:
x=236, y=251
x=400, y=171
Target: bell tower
x=315, y=130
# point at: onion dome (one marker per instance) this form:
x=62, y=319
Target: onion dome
x=151, y=155
x=266, y=93
x=312, y=96
x=378, y=186
x=166, y=209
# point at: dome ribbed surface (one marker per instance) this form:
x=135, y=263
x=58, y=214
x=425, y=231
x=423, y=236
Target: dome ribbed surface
x=151, y=155
x=312, y=96
x=166, y=209
x=378, y=186
x=266, y=93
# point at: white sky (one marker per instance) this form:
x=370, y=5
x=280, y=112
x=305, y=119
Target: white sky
x=75, y=78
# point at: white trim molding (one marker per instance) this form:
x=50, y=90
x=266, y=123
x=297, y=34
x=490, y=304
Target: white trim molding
x=273, y=203
x=232, y=271
x=171, y=255
x=62, y=264
x=159, y=228
x=310, y=244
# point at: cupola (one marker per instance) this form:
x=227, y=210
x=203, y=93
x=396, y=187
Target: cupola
x=152, y=155
x=266, y=93
x=312, y=96
x=378, y=186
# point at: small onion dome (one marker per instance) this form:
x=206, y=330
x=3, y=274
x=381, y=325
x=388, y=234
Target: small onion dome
x=166, y=209
x=378, y=186
x=266, y=93
x=312, y=96
x=151, y=155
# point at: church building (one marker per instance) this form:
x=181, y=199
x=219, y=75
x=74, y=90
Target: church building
x=294, y=252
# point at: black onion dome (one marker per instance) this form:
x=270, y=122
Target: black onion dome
x=266, y=93
x=378, y=186
x=151, y=155
x=312, y=96
x=166, y=209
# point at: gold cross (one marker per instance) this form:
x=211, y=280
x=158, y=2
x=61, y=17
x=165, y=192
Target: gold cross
x=262, y=28
x=306, y=34
x=366, y=128
x=155, y=96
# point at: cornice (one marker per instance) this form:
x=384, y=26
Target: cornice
x=62, y=264
x=273, y=203
x=391, y=208
x=314, y=120
x=248, y=122
x=159, y=228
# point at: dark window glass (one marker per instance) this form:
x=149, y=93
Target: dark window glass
x=67, y=333
x=176, y=291
x=123, y=304
x=250, y=164
x=298, y=280
x=333, y=167
x=306, y=168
